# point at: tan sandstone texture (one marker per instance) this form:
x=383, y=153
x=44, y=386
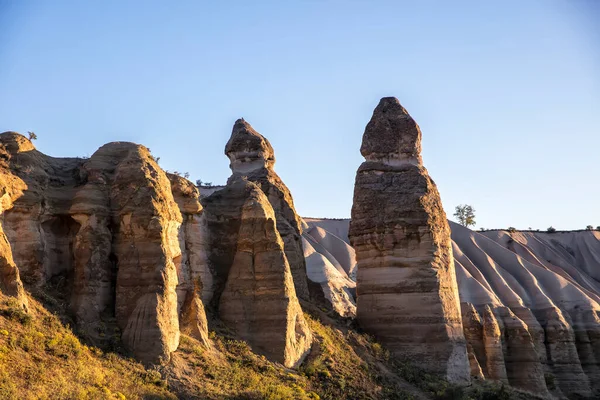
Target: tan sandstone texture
x=252, y=156
x=192, y=266
x=254, y=292
x=12, y=188
x=406, y=285
x=102, y=234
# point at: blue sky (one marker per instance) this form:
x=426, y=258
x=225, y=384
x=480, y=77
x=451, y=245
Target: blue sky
x=507, y=93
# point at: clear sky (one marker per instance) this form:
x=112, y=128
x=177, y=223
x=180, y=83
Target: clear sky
x=507, y=93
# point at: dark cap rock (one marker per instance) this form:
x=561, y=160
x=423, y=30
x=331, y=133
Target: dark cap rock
x=391, y=134
x=247, y=149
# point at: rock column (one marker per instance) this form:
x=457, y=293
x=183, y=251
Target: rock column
x=406, y=284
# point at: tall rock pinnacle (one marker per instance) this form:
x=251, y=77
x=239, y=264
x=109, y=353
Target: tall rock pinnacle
x=251, y=156
x=406, y=286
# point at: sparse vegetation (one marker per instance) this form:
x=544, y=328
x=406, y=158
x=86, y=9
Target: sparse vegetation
x=551, y=229
x=512, y=229
x=589, y=228
x=42, y=359
x=465, y=214
x=199, y=182
x=31, y=135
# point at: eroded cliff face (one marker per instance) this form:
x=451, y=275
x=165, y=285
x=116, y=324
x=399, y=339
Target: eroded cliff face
x=102, y=234
x=12, y=188
x=253, y=292
x=406, y=284
x=259, y=299
x=529, y=305
x=252, y=156
x=548, y=290
x=192, y=267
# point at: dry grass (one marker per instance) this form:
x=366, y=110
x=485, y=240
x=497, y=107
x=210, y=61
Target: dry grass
x=42, y=359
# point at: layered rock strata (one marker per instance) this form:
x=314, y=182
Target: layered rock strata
x=102, y=234
x=193, y=272
x=12, y=188
x=406, y=284
x=255, y=293
x=515, y=287
x=252, y=156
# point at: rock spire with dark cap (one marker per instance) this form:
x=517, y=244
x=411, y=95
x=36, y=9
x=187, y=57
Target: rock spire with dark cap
x=406, y=286
x=252, y=157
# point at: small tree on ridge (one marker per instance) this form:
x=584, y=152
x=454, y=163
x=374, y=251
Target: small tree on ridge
x=465, y=214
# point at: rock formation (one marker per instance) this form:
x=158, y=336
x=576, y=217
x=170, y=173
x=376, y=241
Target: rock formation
x=259, y=300
x=254, y=293
x=251, y=156
x=103, y=235
x=522, y=294
x=192, y=267
x=406, y=285
x=12, y=187
x=146, y=221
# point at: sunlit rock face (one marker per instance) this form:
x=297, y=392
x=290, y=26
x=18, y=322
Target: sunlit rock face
x=192, y=267
x=406, y=284
x=252, y=156
x=103, y=235
x=12, y=188
x=254, y=292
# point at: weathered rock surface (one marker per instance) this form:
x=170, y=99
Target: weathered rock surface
x=252, y=156
x=193, y=272
x=326, y=270
x=259, y=299
x=11, y=187
x=406, y=284
x=146, y=221
x=103, y=235
x=515, y=287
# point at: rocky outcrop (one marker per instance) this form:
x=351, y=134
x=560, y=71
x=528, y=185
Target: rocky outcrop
x=11, y=187
x=534, y=301
x=562, y=356
x=193, y=273
x=259, y=299
x=252, y=156
x=103, y=235
x=146, y=221
x=406, y=285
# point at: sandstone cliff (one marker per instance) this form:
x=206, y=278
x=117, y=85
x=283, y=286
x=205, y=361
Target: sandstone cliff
x=253, y=290
x=12, y=188
x=406, y=285
x=259, y=299
x=102, y=233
